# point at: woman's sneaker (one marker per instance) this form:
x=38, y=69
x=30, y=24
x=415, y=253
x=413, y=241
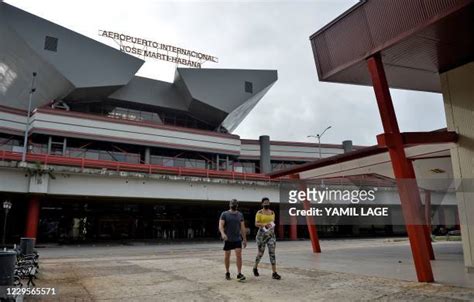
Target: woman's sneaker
x=240, y=277
x=227, y=276
x=276, y=276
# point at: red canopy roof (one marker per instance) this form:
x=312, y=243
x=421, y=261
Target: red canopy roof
x=417, y=40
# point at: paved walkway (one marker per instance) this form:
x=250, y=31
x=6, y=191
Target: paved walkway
x=194, y=272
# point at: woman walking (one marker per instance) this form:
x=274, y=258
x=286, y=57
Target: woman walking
x=265, y=221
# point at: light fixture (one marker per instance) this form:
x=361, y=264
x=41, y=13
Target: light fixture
x=7, y=205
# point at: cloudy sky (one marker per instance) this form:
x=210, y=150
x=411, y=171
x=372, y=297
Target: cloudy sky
x=264, y=34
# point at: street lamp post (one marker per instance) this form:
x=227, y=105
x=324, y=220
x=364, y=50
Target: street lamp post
x=7, y=205
x=318, y=136
x=25, y=140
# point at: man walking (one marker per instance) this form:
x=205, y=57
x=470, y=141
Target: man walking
x=232, y=229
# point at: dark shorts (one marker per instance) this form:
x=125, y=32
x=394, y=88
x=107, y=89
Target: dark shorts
x=232, y=245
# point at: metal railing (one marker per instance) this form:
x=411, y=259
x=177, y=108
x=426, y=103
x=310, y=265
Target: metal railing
x=84, y=163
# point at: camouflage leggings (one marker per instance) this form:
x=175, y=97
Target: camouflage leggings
x=269, y=240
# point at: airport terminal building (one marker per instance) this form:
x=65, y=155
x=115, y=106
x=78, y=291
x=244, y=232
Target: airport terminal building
x=115, y=155
x=112, y=155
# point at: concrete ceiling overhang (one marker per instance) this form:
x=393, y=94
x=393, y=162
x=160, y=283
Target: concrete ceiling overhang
x=429, y=152
x=432, y=164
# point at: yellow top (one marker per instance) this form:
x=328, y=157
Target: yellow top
x=264, y=218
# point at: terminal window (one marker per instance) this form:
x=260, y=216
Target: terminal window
x=248, y=87
x=51, y=43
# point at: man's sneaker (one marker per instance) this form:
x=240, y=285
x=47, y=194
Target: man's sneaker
x=255, y=272
x=227, y=276
x=240, y=277
x=276, y=276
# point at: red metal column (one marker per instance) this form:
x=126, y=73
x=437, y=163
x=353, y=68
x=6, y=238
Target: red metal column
x=312, y=230
x=293, y=228
x=281, y=230
x=281, y=226
x=424, y=221
x=294, y=220
x=32, y=218
x=404, y=172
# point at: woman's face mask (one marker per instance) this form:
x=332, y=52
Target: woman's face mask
x=266, y=206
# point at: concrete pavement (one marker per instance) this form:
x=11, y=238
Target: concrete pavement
x=348, y=270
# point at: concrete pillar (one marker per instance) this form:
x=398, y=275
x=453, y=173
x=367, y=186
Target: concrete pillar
x=347, y=146
x=32, y=217
x=147, y=156
x=50, y=142
x=456, y=220
x=458, y=95
x=64, y=146
x=265, y=159
x=441, y=216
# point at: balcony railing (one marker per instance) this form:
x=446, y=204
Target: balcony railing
x=84, y=163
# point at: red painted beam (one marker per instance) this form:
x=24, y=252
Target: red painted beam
x=434, y=137
x=404, y=172
x=387, y=140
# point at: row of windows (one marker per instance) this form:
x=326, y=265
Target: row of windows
x=134, y=115
x=159, y=118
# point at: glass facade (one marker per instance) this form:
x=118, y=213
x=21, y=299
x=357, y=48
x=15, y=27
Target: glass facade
x=179, y=162
x=134, y=115
x=142, y=114
x=10, y=144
